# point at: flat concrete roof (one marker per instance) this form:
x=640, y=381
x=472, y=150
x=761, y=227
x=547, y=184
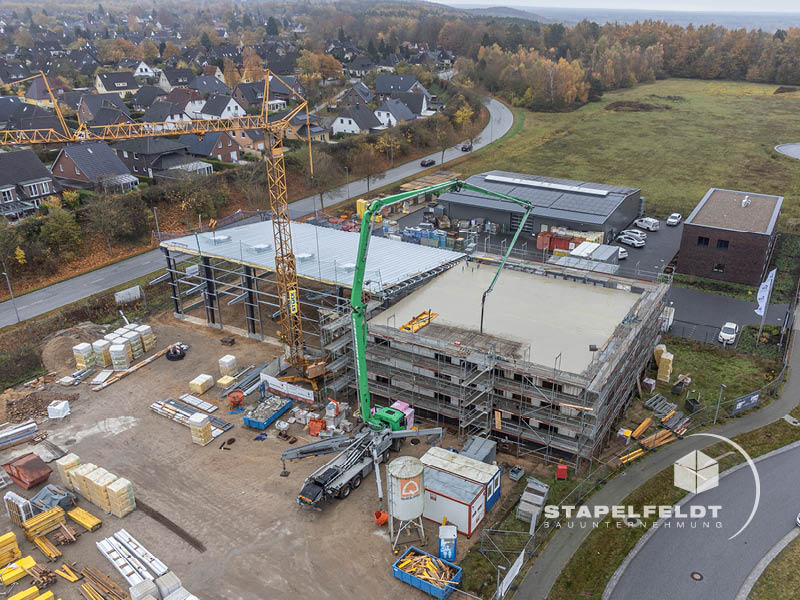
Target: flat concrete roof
x=322, y=253
x=739, y=211
x=552, y=316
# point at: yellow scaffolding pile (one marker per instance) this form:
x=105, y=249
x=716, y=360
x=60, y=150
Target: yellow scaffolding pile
x=14, y=573
x=47, y=547
x=29, y=594
x=9, y=549
x=66, y=573
x=85, y=519
x=44, y=523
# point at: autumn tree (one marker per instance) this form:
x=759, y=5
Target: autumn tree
x=103, y=218
x=61, y=234
x=365, y=161
x=170, y=51
x=444, y=134
x=252, y=66
x=230, y=73
x=9, y=243
x=150, y=52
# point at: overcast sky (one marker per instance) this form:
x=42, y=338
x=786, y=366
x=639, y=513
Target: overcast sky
x=682, y=5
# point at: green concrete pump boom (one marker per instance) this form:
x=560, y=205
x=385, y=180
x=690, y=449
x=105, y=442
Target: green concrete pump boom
x=359, y=306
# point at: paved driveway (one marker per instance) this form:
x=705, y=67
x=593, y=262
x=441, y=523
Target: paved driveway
x=663, y=567
x=660, y=249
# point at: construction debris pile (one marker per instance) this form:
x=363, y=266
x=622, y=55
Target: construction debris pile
x=424, y=571
x=21, y=406
x=100, y=487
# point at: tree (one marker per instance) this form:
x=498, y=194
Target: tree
x=272, y=26
x=252, y=66
x=327, y=174
x=150, y=52
x=443, y=133
x=170, y=51
x=9, y=243
x=205, y=40
x=61, y=234
x=463, y=116
x=365, y=161
x=329, y=67
x=103, y=219
x=230, y=73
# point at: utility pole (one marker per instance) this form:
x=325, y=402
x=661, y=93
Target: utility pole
x=11, y=292
x=347, y=170
x=719, y=399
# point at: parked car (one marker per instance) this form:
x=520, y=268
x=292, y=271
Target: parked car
x=428, y=162
x=674, y=219
x=622, y=254
x=631, y=240
x=797, y=520
x=635, y=233
x=728, y=333
x=648, y=223
x=466, y=147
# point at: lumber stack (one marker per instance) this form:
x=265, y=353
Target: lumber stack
x=637, y=433
x=103, y=585
x=46, y=546
x=43, y=523
x=658, y=439
x=66, y=534
x=67, y=573
x=631, y=456
x=9, y=549
x=85, y=519
x=42, y=576
x=428, y=568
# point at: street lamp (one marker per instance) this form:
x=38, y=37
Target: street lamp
x=11, y=292
x=498, y=593
x=347, y=170
x=719, y=399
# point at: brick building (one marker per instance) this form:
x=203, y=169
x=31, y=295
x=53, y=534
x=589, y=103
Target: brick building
x=730, y=236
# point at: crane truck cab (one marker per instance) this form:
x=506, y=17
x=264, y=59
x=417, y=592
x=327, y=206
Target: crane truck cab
x=386, y=416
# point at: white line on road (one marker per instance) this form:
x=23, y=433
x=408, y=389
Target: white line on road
x=97, y=280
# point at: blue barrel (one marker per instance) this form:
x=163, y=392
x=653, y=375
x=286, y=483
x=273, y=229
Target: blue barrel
x=448, y=537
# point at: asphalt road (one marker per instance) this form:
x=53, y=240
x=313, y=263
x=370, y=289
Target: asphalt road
x=663, y=566
x=548, y=565
x=660, y=248
x=80, y=287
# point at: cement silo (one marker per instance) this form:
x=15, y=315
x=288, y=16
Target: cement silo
x=404, y=478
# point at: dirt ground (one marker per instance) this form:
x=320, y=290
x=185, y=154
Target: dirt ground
x=258, y=542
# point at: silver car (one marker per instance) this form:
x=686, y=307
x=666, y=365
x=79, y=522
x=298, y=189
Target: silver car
x=631, y=240
x=634, y=232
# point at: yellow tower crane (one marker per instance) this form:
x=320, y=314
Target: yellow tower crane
x=274, y=130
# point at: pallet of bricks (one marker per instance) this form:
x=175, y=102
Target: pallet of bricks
x=103, y=489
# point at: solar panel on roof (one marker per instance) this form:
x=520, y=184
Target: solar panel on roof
x=544, y=184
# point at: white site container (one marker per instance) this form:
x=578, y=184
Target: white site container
x=461, y=502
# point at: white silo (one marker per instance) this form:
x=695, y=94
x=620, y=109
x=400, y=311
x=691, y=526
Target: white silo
x=404, y=478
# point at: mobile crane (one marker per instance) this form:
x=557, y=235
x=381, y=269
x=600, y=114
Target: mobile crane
x=380, y=417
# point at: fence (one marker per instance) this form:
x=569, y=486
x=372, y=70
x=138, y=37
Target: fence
x=237, y=218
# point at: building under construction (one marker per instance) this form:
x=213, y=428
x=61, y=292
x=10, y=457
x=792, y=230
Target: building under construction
x=551, y=375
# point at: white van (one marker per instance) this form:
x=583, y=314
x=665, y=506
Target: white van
x=648, y=223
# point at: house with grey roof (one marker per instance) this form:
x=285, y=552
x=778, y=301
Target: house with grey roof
x=357, y=94
x=172, y=78
x=145, y=96
x=355, y=119
x=221, y=107
x=386, y=85
x=94, y=166
x=157, y=157
x=24, y=182
x=417, y=103
x=165, y=113
x=118, y=82
x=220, y=145
x=90, y=105
x=392, y=112
x=208, y=84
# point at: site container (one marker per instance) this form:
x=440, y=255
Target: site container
x=488, y=476
x=461, y=502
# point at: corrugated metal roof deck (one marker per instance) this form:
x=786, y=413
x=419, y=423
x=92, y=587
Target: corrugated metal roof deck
x=472, y=469
x=389, y=262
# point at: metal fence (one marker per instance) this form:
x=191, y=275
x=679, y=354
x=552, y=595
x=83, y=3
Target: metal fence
x=237, y=218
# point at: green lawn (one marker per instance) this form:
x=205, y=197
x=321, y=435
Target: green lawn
x=781, y=579
x=720, y=134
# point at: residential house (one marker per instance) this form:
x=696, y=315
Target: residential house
x=8, y=106
x=167, y=113
x=24, y=182
x=388, y=64
x=418, y=103
x=119, y=82
x=108, y=115
x=359, y=67
x=297, y=129
x=223, y=51
x=12, y=71
x=190, y=101
x=140, y=68
x=208, y=85
x=214, y=71
x=288, y=87
x=92, y=165
x=84, y=60
x=250, y=139
x=355, y=119
x=221, y=107
x=145, y=96
x=90, y=105
x=172, y=78
x=160, y=158
x=52, y=48
x=24, y=111
x=38, y=94
x=358, y=94
x=71, y=100
x=392, y=112
x=386, y=85
x=249, y=94
x=217, y=144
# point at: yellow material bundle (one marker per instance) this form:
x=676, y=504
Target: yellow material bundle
x=44, y=522
x=78, y=478
x=428, y=568
x=121, y=498
x=658, y=351
x=201, y=384
x=45, y=596
x=85, y=519
x=101, y=353
x=29, y=594
x=96, y=482
x=665, y=367
x=225, y=381
x=64, y=464
x=9, y=549
x=16, y=570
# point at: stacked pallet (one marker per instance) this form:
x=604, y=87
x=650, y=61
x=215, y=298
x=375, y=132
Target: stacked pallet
x=78, y=478
x=121, y=498
x=19, y=509
x=85, y=519
x=201, y=384
x=64, y=465
x=123, y=341
x=43, y=523
x=227, y=365
x=665, y=367
x=200, y=426
x=119, y=357
x=97, y=481
x=84, y=356
x=148, y=338
x=46, y=546
x=9, y=549
x=101, y=353
x=135, y=340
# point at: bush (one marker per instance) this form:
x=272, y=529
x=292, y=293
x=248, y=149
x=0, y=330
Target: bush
x=60, y=233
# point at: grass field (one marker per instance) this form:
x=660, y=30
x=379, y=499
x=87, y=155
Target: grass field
x=716, y=134
x=781, y=579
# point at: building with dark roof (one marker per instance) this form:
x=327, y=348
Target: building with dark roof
x=558, y=203
x=357, y=94
x=155, y=156
x=145, y=96
x=386, y=85
x=8, y=106
x=92, y=165
x=108, y=115
x=165, y=112
x=360, y=66
x=90, y=105
x=393, y=111
x=219, y=107
x=358, y=118
x=730, y=236
x=24, y=181
x=118, y=82
x=417, y=103
x=172, y=78
x=218, y=144
x=208, y=84
x=37, y=91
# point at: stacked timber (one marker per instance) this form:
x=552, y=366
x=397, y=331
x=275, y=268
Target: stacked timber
x=85, y=519
x=101, y=353
x=119, y=357
x=200, y=426
x=44, y=523
x=64, y=465
x=121, y=498
x=9, y=549
x=148, y=338
x=84, y=356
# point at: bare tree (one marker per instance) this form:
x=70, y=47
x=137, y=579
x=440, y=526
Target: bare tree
x=103, y=219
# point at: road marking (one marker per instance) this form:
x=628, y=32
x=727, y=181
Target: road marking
x=97, y=280
x=748, y=584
